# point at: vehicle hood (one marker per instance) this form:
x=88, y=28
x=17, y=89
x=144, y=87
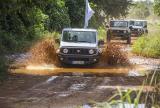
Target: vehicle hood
x=118, y=28
x=72, y=44
x=137, y=27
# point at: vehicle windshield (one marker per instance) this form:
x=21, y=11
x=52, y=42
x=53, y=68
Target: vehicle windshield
x=118, y=24
x=79, y=36
x=137, y=23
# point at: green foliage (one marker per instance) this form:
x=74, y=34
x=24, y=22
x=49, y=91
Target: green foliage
x=157, y=7
x=103, y=9
x=58, y=15
x=3, y=68
x=102, y=33
x=148, y=46
x=140, y=10
x=113, y=8
x=76, y=11
x=24, y=21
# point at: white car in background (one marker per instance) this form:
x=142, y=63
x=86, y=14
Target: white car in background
x=139, y=27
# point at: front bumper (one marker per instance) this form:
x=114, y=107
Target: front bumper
x=136, y=33
x=120, y=35
x=78, y=59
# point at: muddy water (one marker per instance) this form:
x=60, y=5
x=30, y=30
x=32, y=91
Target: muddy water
x=52, y=87
x=26, y=91
x=51, y=70
x=47, y=86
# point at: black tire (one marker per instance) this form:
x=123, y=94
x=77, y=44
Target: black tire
x=108, y=37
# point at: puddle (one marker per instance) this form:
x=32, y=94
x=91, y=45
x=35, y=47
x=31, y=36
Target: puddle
x=135, y=72
x=40, y=67
x=64, y=95
x=77, y=86
x=121, y=105
x=86, y=106
x=55, y=71
x=125, y=88
x=126, y=105
x=51, y=79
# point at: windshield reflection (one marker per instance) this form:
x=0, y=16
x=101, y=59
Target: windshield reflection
x=79, y=36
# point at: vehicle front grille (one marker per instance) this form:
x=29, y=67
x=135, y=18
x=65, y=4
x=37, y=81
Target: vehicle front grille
x=78, y=51
x=117, y=31
x=78, y=59
x=135, y=30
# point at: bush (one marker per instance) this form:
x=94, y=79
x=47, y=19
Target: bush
x=148, y=46
x=3, y=68
x=7, y=41
x=102, y=33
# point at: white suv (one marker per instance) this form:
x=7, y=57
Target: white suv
x=79, y=46
x=139, y=27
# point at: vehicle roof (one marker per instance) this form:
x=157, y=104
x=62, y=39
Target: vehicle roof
x=119, y=20
x=137, y=20
x=79, y=29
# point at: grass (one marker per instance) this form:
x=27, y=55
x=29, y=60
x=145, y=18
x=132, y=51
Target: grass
x=148, y=45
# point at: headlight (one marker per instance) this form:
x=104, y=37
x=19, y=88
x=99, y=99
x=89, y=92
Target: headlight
x=57, y=51
x=91, y=51
x=65, y=50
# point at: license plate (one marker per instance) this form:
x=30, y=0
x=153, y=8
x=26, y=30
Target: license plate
x=77, y=62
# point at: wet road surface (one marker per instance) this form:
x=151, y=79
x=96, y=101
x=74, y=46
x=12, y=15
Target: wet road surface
x=71, y=87
x=26, y=91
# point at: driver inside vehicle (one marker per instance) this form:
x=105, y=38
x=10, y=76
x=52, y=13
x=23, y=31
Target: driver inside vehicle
x=75, y=38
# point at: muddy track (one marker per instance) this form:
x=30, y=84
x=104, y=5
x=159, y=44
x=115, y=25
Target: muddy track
x=60, y=91
x=44, y=89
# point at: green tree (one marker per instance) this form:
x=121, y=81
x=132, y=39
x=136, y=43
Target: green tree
x=139, y=10
x=103, y=9
x=157, y=7
x=76, y=11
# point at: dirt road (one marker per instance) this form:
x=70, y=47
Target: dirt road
x=31, y=90
x=24, y=91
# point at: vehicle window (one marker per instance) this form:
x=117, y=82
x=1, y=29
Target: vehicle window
x=138, y=23
x=131, y=23
x=119, y=24
x=79, y=36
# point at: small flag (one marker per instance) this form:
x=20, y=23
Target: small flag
x=88, y=14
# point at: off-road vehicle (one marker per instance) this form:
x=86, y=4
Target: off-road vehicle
x=79, y=46
x=138, y=27
x=119, y=29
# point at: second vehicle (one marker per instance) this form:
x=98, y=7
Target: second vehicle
x=119, y=29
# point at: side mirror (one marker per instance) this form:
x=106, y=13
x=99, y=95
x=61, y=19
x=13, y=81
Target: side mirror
x=130, y=27
x=145, y=26
x=107, y=26
x=57, y=41
x=100, y=42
